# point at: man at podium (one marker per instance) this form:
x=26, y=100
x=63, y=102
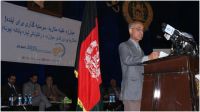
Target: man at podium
x=131, y=57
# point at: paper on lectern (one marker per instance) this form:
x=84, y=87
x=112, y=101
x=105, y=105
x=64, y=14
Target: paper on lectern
x=197, y=76
x=163, y=54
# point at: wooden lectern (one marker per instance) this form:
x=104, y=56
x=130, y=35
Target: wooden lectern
x=169, y=84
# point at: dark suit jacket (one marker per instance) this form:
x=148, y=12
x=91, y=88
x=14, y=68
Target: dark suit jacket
x=6, y=92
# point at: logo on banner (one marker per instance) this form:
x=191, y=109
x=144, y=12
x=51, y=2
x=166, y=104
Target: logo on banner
x=137, y=10
x=59, y=50
x=92, y=60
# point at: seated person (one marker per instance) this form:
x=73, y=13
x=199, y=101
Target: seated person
x=38, y=98
x=112, y=103
x=113, y=89
x=9, y=89
x=51, y=90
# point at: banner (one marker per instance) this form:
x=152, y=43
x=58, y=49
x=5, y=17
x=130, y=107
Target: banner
x=31, y=37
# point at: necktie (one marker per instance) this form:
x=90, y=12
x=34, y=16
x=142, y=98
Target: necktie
x=14, y=89
x=138, y=48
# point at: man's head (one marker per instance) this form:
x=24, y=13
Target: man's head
x=113, y=82
x=12, y=79
x=136, y=30
x=49, y=80
x=34, y=78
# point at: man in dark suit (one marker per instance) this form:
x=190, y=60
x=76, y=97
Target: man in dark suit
x=9, y=89
x=131, y=57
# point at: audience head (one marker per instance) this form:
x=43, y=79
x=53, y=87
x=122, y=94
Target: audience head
x=113, y=82
x=12, y=78
x=49, y=80
x=34, y=78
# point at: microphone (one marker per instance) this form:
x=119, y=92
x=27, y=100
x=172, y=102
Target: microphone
x=170, y=31
x=159, y=37
x=187, y=35
x=183, y=43
x=167, y=29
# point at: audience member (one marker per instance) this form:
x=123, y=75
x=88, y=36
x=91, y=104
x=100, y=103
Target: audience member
x=9, y=89
x=113, y=89
x=113, y=103
x=51, y=90
x=38, y=98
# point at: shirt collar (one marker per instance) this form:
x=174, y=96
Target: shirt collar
x=135, y=43
x=11, y=85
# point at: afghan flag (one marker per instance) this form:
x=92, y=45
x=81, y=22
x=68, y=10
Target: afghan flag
x=88, y=60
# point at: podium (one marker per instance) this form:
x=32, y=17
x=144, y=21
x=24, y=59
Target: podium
x=169, y=84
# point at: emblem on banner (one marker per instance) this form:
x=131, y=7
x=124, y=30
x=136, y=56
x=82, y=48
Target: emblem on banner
x=59, y=50
x=92, y=60
x=137, y=10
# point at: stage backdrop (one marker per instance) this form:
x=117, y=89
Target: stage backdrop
x=31, y=37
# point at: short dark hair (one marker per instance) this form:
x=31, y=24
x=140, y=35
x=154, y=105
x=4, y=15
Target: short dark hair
x=11, y=74
x=49, y=76
x=33, y=74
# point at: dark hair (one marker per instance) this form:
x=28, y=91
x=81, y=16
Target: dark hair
x=33, y=74
x=49, y=76
x=11, y=74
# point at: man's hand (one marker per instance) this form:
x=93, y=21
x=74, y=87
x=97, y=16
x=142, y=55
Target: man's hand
x=153, y=55
x=36, y=93
x=52, y=98
x=15, y=98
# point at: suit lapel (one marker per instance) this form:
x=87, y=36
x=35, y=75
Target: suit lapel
x=132, y=46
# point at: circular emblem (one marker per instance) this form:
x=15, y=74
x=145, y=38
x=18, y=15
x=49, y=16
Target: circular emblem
x=58, y=50
x=92, y=60
x=137, y=10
